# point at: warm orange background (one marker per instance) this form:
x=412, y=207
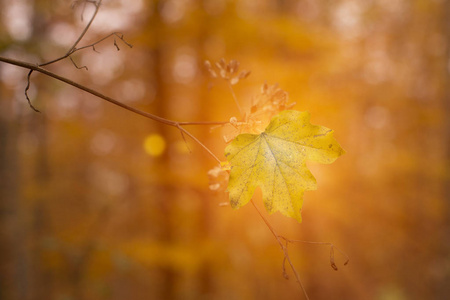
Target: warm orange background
x=87, y=213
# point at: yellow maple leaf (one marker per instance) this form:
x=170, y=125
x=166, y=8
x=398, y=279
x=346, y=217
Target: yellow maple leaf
x=275, y=160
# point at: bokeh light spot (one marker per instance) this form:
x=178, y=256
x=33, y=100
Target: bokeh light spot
x=185, y=68
x=154, y=145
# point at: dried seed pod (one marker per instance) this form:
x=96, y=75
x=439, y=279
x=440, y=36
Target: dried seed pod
x=221, y=64
x=233, y=66
x=210, y=69
x=234, y=80
x=223, y=74
x=244, y=74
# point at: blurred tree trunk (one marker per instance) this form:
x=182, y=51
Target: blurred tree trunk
x=205, y=214
x=163, y=49
x=444, y=287
x=166, y=195
x=13, y=259
x=41, y=283
x=41, y=287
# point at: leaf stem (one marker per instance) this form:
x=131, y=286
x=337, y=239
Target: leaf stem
x=284, y=249
x=332, y=247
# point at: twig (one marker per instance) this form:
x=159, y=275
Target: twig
x=235, y=98
x=117, y=34
x=284, y=248
x=75, y=3
x=97, y=7
x=74, y=48
x=332, y=247
x=202, y=123
x=185, y=142
x=198, y=142
x=82, y=67
x=26, y=92
x=92, y=45
x=285, y=252
x=156, y=118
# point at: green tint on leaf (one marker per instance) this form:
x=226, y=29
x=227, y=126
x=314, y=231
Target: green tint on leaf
x=275, y=161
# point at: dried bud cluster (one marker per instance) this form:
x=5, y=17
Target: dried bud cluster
x=271, y=101
x=229, y=71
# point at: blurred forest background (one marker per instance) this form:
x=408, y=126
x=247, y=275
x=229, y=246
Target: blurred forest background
x=90, y=210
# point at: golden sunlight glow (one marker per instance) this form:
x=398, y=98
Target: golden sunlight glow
x=108, y=202
x=154, y=144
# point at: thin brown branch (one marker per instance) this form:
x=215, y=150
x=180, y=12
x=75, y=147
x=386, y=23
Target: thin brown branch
x=198, y=142
x=73, y=62
x=332, y=247
x=235, y=98
x=97, y=7
x=74, y=47
x=92, y=45
x=26, y=92
x=117, y=34
x=75, y=3
x=153, y=117
x=285, y=251
x=203, y=123
x=185, y=142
